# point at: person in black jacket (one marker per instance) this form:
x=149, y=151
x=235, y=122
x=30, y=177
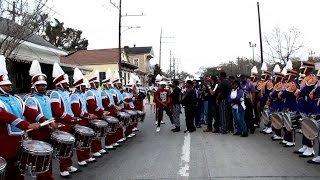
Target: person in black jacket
x=189, y=101
x=176, y=108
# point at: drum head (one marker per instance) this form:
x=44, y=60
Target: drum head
x=37, y=147
x=106, y=118
x=310, y=128
x=3, y=164
x=99, y=123
x=265, y=116
x=276, y=120
x=140, y=112
x=84, y=130
x=63, y=136
x=131, y=112
x=123, y=115
x=113, y=120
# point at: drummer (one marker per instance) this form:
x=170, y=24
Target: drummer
x=40, y=102
x=304, y=103
x=61, y=111
x=94, y=106
x=139, y=93
x=266, y=89
x=108, y=104
x=12, y=123
x=256, y=83
x=79, y=109
x=315, y=97
x=129, y=105
x=289, y=102
x=276, y=102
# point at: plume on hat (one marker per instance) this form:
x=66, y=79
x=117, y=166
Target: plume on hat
x=35, y=68
x=289, y=64
x=264, y=67
x=57, y=70
x=158, y=77
x=284, y=71
x=3, y=66
x=276, y=68
x=254, y=70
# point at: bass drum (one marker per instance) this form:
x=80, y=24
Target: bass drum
x=287, y=122
x=276, y=120
x=310, y=128
x=265, y=116
x=3, y=165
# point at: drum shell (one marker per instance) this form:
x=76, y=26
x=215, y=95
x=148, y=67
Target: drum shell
x=141, y=115
x=100, y=128
x=124, y=118
x=35, y=162
x=265, y=116
x=84, y=137
x=277, y=120
x=113, y=124
x=3, y=165
x=133, y=116
x=310, y=128
x=62, y=146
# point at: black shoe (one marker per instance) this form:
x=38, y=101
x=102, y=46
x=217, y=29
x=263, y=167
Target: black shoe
x=237, y=133
x=312, y=162
x=297, y=152
x=185, y=131
x=306, y=156
x=193, y=130
x=293, y=145
x=177, y=129
x=282, y=142
x=244, y=135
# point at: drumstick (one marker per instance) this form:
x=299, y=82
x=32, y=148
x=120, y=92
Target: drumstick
x=49, y=121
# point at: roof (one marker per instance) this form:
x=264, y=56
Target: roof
x=98, y=56
x=139, y=50
x=32, y=38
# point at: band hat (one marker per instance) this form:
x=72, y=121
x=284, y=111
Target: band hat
x=37, y=77
x=289, y=65
x=279, y=74
x=78, y=78
x=307, y=64
x=58, y=74
x=276, y=69
x=95, y=77
x=284, y=71
x=292, y=72
x=117, y=78
x=4, y=79
x=86, y=82
x=264, y=69
x=254, y=71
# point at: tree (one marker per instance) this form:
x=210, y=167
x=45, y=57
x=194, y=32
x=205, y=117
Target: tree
x=66, y=38
x=22, y=21
x=283, y=45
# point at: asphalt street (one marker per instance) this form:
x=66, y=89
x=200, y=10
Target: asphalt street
x=198, y=155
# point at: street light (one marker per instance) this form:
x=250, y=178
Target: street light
x=252, y=46
x=129, y=27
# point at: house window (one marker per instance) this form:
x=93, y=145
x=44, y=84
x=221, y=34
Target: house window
x=102, y=75
x=136, y=61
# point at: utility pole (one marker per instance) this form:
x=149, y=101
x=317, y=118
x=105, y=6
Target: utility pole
x=119, y=7
x=174, y=68
x=252, y=45
x=260, y=36
x=13, y=11
x=161, y=37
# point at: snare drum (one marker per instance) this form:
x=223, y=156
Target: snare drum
x=276, y=120
x=84, y=136
x=35, y=157
x=265, y=116
x=62, y=143
x=3, y=165
x=113, y=124
x=310, y=128
x=100, y=128
x=141, y=115
x=124, y=118
x=133, y=116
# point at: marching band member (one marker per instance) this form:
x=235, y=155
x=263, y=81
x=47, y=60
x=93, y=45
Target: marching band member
x=129, y=105
x=40, y=102
x=12, y=123
x=254, y=80
x=79, y=109
x=266, y=89
x=276, y=104
x=61, y=111
x=315, y=97
x=109, y=104
x=94, y=106
x=304, y=103
x=139, y=93
x=289, y=102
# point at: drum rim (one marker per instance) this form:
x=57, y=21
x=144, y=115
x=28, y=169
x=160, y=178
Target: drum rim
x=3, y=165
x=279, y=116
x=70, y=140
x=48, y=151
x=266, y=113
x=287, y=120
x=96, y=121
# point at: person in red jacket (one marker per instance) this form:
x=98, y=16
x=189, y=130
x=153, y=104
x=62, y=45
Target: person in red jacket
x=13, y=122
x=79, y=109
x=61, y=111
x=94, y=106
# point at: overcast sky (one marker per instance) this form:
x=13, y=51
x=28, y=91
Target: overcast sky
x=206, y=32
